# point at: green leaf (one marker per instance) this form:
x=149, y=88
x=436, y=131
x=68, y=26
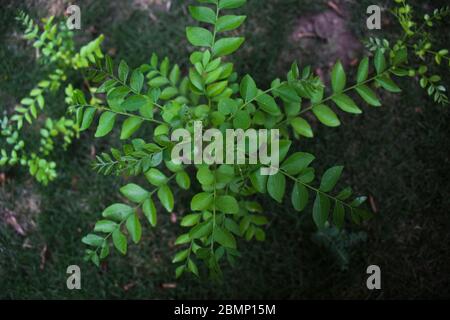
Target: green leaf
x=227, y=46
x=288, y=94
x=88, y=117
x=230, y=22
x=120, y=241
x=387, y=83
x=205, y=176
x=165, y=195
x=302, y=127
x=368, y=95
x=299, y=197
x=227, y=204
x=346, y=104
x=149, y=210
x=192, y=267
x=326, y=116
x=231, y=4
x=330, y=178
x=183, y=180
x=181, y=256
x=201, y=230
x=199, y=37
x=268, y=104
x=216, y=88
x=339, y=215
x=338, y=78
x=297, y=162
x=179, y=271
x=276, y=186
x=105, y=226
x=203, y=14
x=137, y=81
x=242, y=120
x=134, y=193
x=224, y=238
x=105, y=124
x=136, y=102
x=201, y=201
x=123, y=71
x=191, y=220
x=183, y=239
x=134, y=228
x=248, y=88
x=130, y=126
x=93, y=240
x=259, y=181
x=363, y=70
x=379, y=61
x=321, y=210
x=117, y=212
x=156, y=177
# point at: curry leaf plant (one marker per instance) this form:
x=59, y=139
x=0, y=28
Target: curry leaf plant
x=222, y=209
x=55, y=48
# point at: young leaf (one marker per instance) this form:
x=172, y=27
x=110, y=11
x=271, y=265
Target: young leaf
x=276, y=186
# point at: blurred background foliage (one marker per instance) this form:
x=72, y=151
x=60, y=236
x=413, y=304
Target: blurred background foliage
x=399, y=155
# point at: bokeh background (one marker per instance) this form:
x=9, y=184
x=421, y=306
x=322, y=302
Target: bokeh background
x=399, y=155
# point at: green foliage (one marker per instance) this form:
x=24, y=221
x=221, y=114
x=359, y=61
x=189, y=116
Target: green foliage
x=55, y=49
x=418, y=38
x=221, y=209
